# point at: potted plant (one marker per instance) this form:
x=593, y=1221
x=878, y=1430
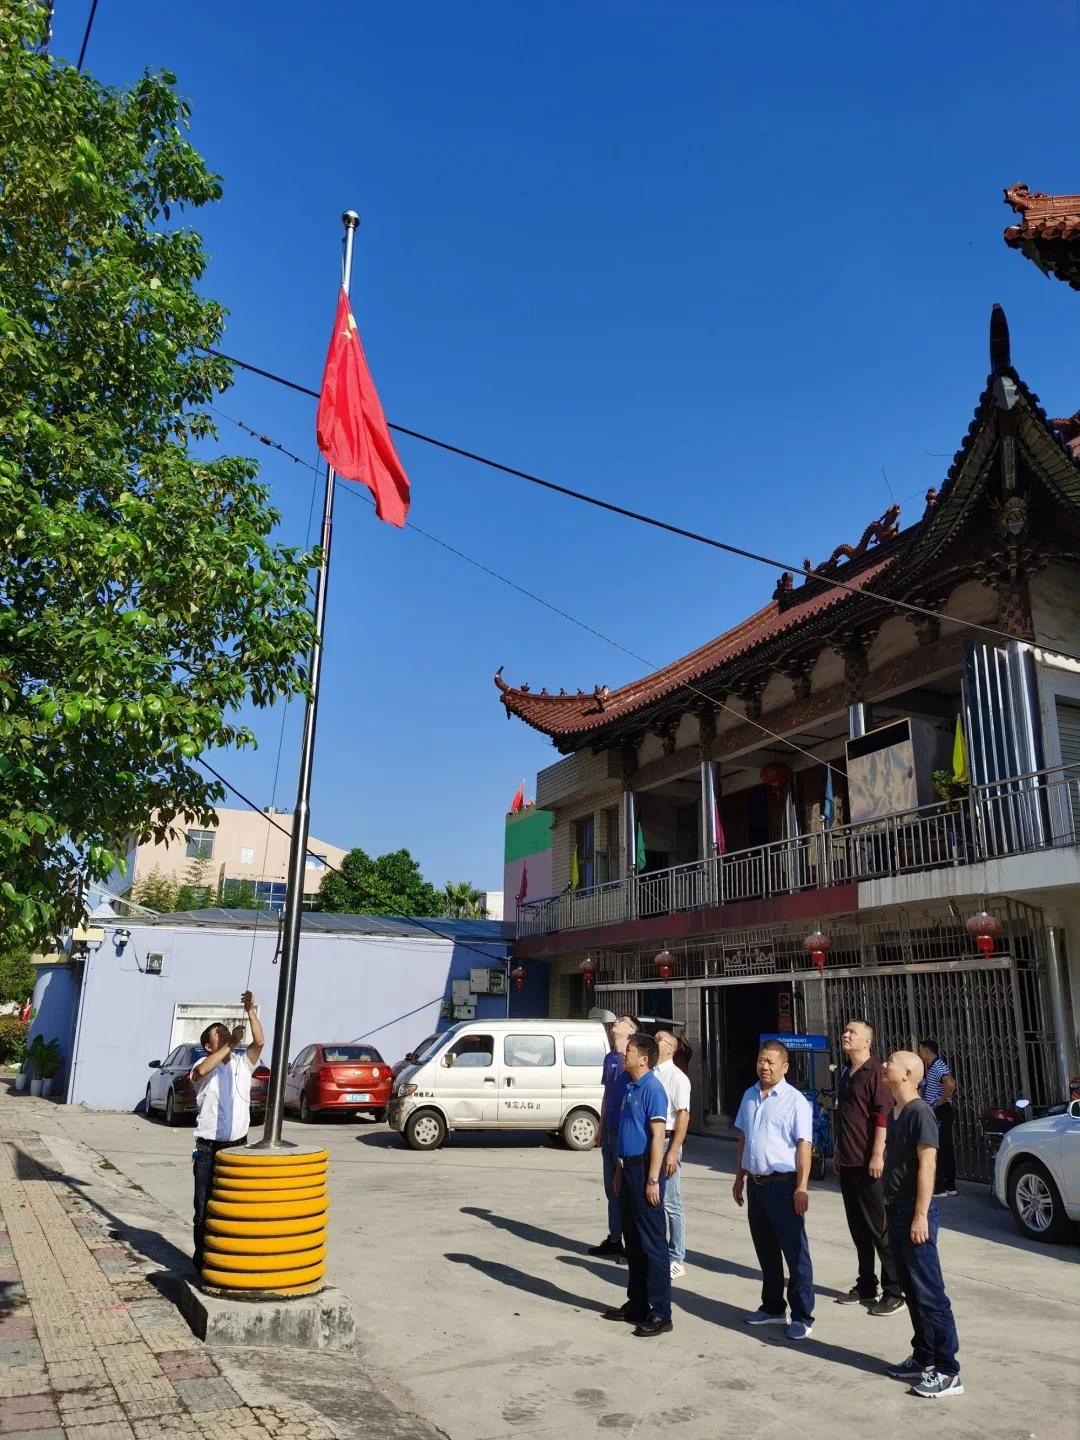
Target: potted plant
x=18, y=1057
x=51, y=1066
x=44, y=1056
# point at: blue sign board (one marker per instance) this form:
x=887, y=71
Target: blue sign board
x=798, y=1042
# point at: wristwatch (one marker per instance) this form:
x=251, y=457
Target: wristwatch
x=651, y=1182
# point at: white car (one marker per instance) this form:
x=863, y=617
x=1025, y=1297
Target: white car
x=1037, y=1174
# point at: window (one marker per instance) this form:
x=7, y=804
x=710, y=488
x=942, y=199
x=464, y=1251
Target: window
x=310, y=900
x=302, y=1059
x=351, y=1055
x=476, y=1052
x=529, y=1051
x=315, y=862
x=584, y=1050
x=271, y=893
x=247, y=854
x=583, y=847
x=200, y=845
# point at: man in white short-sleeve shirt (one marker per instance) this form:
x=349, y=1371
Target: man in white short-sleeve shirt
x=676, y=1085
x=776, y=1125
x=222, y=1081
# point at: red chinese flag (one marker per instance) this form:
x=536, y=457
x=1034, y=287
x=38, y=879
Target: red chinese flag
x=518, y=802
x=351, y=426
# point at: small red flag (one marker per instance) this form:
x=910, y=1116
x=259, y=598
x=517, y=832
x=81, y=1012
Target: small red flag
x=523, y=888
x=518, y=802
x=351, y=426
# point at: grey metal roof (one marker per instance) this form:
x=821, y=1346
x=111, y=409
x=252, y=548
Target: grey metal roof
x=473, y=932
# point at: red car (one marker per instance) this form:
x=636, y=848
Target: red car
x=338, y=1077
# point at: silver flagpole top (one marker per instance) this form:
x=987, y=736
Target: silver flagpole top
x=351, y=220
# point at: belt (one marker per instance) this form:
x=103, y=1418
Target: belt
x=772, y=1178
x=625, y=1160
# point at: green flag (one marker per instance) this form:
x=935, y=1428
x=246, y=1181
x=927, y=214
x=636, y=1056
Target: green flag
x=639, y=853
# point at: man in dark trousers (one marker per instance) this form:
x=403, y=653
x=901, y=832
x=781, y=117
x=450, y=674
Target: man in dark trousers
x=863, y=1102
x=776, y=1126
x=640, y=1180
x=222, y=1083
x=911, y=1150
x=938, y=1089
x=614, y=1080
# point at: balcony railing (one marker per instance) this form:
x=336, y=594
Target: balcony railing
x=1026, y=813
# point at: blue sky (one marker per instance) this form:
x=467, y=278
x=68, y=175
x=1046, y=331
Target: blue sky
x=720, y=262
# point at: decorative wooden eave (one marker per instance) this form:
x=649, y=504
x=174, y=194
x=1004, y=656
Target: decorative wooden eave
x=1009, y=433
x=1048, y=233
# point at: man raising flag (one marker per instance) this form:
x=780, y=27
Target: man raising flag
x=351, y=427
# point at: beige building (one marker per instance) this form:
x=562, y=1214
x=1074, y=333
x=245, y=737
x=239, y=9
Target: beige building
x=244, y=845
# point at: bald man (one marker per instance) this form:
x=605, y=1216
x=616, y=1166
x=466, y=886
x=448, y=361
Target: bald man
x=907, y=1184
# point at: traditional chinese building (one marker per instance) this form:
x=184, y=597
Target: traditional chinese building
x=796, y=774
x=1048, y=233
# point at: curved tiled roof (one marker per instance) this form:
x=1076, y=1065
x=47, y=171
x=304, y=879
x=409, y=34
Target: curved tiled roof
x=565, y=715
x=1049, y=231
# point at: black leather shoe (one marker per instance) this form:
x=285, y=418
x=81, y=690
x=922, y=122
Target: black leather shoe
x=624, y=1313
x=652, y=1325
x=608, y=1250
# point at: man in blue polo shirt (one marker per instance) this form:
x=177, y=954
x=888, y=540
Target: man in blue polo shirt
x=776, y=1126
x=614, y=1080
x=640, y=1180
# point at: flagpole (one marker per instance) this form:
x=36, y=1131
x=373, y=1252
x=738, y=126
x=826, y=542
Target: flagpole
x=294, y=899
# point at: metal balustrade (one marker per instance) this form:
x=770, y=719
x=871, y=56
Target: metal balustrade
x=1025, y=813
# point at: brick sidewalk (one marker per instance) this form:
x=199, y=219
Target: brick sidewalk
x=89, y=1348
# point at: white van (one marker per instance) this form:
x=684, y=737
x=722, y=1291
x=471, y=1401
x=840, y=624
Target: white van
x=504, y=1075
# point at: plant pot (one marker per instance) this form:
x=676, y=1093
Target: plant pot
x=47, y=1086
x=35, y=1086
x=21, y=1081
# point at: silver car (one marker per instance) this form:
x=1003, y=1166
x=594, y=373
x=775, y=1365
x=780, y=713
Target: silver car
x=1037, y=1175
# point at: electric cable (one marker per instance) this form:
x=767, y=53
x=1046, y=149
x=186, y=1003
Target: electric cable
x=652, y=520
x=86, y=34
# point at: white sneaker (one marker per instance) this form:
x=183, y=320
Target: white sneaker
x=677, y=1270
x=935, y=1386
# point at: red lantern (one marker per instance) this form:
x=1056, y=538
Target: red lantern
x=778, y=777
x=984, y=929
x=817, y=946
x=665, y=963
x=517, y=975
x=587, y=970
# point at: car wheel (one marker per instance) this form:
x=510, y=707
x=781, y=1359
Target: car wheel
x=817, y=1166
x=379, y=1116
x=426, y=1130
x=307, y=1115
x=1036, y=1204
x=171, y=1117
x=580, y=1130
x=149, y=1107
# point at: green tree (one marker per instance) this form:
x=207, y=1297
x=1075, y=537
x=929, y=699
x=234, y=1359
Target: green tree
x=239, y=895
x=156, y=892
x=142, y=597
x=17, y=975
x=386, y=885
x=195, y=891
x=462, y=901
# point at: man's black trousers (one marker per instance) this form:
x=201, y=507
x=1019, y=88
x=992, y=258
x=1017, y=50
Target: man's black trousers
x=865, y=1211
x=644, y=1229
x=202, y=1165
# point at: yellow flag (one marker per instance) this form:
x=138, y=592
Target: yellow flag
x=575, y=872
x=959, y=755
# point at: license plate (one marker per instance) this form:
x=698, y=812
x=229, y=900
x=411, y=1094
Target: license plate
x=356, y=1097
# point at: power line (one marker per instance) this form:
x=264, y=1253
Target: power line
x=86, y=34
x=361, y=493
x=644, y=519
x=336, y=870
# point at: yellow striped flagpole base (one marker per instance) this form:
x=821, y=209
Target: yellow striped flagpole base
x=266, y=1223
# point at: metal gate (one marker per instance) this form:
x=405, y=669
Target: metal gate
x=987, y=1021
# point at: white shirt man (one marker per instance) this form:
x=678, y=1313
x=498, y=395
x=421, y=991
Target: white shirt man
x=676, y=1085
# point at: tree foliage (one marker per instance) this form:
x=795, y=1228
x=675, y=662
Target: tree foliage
x=384, y=885
x=17, y=974
x=462, y=901
x=142, y=597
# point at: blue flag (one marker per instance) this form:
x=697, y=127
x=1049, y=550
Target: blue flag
x=828, y=809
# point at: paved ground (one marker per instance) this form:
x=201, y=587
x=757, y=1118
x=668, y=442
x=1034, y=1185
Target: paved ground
x=479, y=1310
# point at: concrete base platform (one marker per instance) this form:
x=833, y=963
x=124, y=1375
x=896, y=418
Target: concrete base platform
x=325, y=1321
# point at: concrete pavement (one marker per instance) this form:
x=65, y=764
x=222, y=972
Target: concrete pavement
x=479, y=1309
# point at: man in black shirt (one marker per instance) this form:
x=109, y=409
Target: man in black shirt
x=908, y=1191
x=863, y=1102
